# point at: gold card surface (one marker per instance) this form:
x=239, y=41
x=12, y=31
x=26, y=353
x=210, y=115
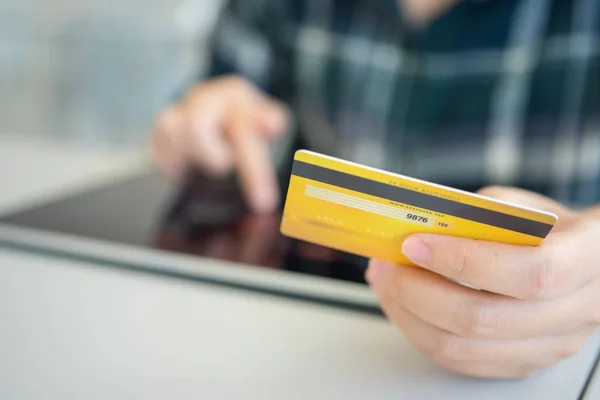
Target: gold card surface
x=369, y=212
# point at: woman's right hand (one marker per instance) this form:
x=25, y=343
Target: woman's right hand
x=222, y=126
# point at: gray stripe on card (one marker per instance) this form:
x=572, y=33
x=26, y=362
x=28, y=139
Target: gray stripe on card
x=421, y=200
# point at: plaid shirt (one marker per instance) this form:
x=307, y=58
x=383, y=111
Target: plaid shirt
x=492, y=92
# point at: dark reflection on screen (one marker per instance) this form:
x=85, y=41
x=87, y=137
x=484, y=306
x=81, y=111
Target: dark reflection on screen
x=209, y=218
x=203, y=217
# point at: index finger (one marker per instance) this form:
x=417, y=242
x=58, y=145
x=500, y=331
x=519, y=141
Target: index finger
x=253, y=162
x=522, y=272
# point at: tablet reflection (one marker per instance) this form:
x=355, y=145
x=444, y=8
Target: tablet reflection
x=209, y=219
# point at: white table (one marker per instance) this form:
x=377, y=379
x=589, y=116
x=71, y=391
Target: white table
x=33, y=170
x=73, y=330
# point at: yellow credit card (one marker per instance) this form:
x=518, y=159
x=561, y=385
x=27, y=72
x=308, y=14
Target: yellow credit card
x=369, y=212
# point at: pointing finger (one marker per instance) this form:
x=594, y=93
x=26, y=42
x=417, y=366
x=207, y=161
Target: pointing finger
x=253, y=158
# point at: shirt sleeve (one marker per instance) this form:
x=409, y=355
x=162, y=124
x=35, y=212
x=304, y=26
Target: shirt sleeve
x=248, y=40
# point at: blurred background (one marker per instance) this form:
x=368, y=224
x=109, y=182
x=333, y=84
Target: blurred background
x=94, y=72
x=81, y=82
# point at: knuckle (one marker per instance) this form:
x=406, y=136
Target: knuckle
x=477, y=319
x=541, y=280
x=461, y=259
x=547, y=278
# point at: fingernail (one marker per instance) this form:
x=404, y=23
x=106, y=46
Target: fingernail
x=376, y=271
x=416, y=250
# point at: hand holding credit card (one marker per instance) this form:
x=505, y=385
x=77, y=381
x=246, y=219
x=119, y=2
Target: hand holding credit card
x=369, y=212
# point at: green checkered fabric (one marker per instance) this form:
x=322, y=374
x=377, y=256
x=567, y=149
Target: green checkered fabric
x=492, y=92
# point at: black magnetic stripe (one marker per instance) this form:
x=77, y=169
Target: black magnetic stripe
x=421, y=200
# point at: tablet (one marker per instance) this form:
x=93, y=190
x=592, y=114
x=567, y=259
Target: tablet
x=200, y=230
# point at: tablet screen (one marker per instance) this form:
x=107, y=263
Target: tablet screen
x=204, y=217
x=209, y=218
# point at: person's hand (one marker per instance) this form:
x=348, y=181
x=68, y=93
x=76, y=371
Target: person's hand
x=223, y=126
x=537, y=306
